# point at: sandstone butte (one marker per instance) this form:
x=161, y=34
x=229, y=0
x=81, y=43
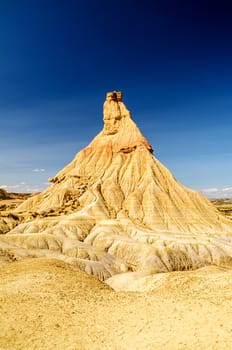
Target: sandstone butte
x=116, y=212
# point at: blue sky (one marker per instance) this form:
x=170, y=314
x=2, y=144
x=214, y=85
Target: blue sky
x=172, y=60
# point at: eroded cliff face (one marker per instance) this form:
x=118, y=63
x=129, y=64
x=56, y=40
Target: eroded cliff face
x=116, y=208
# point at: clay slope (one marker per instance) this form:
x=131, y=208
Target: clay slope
x=116, y=208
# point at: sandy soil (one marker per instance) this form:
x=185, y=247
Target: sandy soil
x=47, y=304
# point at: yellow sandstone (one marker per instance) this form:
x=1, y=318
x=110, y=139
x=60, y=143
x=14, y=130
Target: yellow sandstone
x=116, y=212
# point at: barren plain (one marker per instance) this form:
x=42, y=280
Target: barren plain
x=48, y=304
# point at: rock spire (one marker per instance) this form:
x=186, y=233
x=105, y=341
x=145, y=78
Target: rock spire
x=116, y=208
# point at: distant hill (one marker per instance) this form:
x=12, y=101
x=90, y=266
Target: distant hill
x=4, y=194
x=224, y=205
x=9, y=201
x=7, y=195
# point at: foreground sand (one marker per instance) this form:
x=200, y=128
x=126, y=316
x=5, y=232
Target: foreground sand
x=47, y=304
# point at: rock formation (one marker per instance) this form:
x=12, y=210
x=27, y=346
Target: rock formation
x=116, y=209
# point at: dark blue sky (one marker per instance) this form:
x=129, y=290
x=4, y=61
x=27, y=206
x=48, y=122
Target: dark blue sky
x=172, y=60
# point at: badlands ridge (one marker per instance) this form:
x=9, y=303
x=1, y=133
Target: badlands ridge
x=116, y=212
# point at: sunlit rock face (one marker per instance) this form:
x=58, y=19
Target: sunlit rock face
x=115, y=208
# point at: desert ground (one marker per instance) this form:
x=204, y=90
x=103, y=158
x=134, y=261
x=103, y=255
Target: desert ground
x=48, y=304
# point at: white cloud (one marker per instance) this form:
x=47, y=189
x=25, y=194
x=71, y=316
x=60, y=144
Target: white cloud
x=13, y=186
x=210, y=190
x=32, y=190
x=227, y=189
x=36, y=170
x=23, y=187
x=10, y=188
x=214, y=192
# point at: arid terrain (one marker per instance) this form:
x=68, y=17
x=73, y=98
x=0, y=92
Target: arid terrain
x=115, y=254
x=224, y=206
x=47, y=304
